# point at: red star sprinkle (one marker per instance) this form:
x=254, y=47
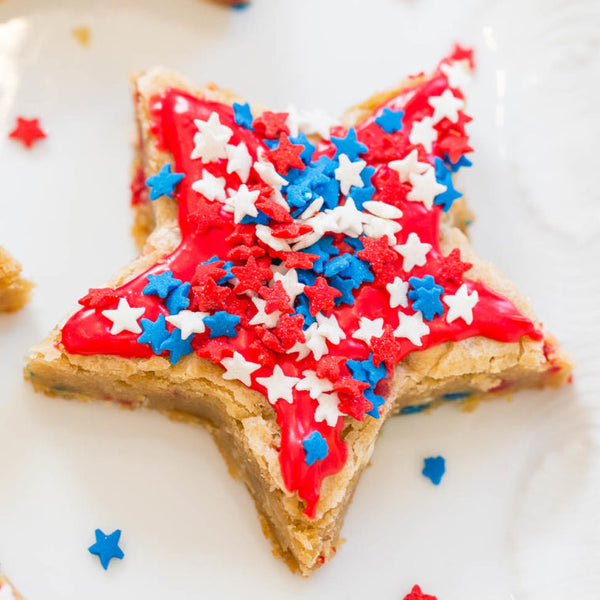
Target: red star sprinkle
x=376, y=252
x=355, y=406
x=286, y=155
x=271, y=124
x=274, y=210
x=289, y=330
x=417, y=594
x=208, y=296
x=205, y=216
x=27, y=131
x=215, y=350
x=251, y=276
x=349, y=385
x=321, y=296
x=460, y=53
x=276, y=297
x=242, y=234
x=207, y=271
x=99, y=298
x=386, y=348
x=455, y=146
x=330, y=367
x=242, y=252
x=260, y=354
x=451, y=267
x=298, y=260
x=270, y=340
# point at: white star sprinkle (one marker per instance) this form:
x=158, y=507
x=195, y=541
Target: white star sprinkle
x=314, y=385
x=189, y=322
x=124, y=317
x=290, y=283
x=376, y=227
x=348, y=219
x=239, y=160
x=279, y=385
x=425, y=188
x=316, y=121
x=412, y=328
x=211, y=187
x=269, y=320
x=263, y=233
x=413, y=251
x=446, y=106
x=241, y=202
x=314, y=342
x=457, y=73
x=422, y=132
x=398, y=291
x=328, y=410
x=210, y=141
x=269, y=175
x=348, y=173
x=329, y=328
x=461, y=304
x=237, y=367
x=368, y=328
x=407, y=165
x=293, y=120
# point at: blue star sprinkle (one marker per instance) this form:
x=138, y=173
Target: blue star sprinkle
x=390, y=120
x=315, y=447
x=155, y=333
x=345, y=286
x=163, y=183
x=302, y=306
x=106, y=547
x=349, y=145
x=357, y=271
x=176, y=346
x=415, y=408
x=443, y=175
x=222, y=323
x=434, y=469
x=456, y=396
x=361, y=195
x=161, y=284
x=376, y=400
x=463, y=161
x=309, y=149
x=242, y=115
x=178, y=298
x=426, y=296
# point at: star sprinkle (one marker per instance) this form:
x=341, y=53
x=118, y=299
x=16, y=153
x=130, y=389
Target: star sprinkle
x=124, y=317
x=348, y=173
x=239, y=160
x=314, y=385
x=316, y=122
x=413, y=251
x=390, y=120
x=385, y=348
x=417, y=594
x=106, y=547
x=242, y=115
x=211, y=139
x=154, y=333
x=222, y=323
x=328, y=410
x=286, y=155
x=408, y=165
x=457, y=74
x=242, y=202
x=163, y=183
x=434, y=469
x=426, y=296
x=271, y=124
x=161, y=284
x=461, y=304
x=269, y=320
x=329, y=328
x=178, y=300
x=279, y=386
x=211, y=187
x=423, y=133
x=425, y=187
x=269, y=175
x=98, y=298
x=27, y=131
x=368, y=328
x=309, y=149
x=444, y=176
x=290, y=283
x=321, y=296
x=398, y=290
x=237, y=367
x=315, y=447
x=349, y=145
x=177, y=346
x=446, y=106
x=412, y=328
x=188, y=321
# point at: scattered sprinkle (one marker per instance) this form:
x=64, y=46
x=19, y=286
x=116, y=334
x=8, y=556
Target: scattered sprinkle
x=106, y=547
x=434, y=469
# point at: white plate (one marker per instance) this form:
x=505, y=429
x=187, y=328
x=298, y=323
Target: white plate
x=500, y=520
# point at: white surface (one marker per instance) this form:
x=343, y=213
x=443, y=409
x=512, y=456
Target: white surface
x=500, y=521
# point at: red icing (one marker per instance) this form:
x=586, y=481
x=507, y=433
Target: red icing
x=208, y=230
